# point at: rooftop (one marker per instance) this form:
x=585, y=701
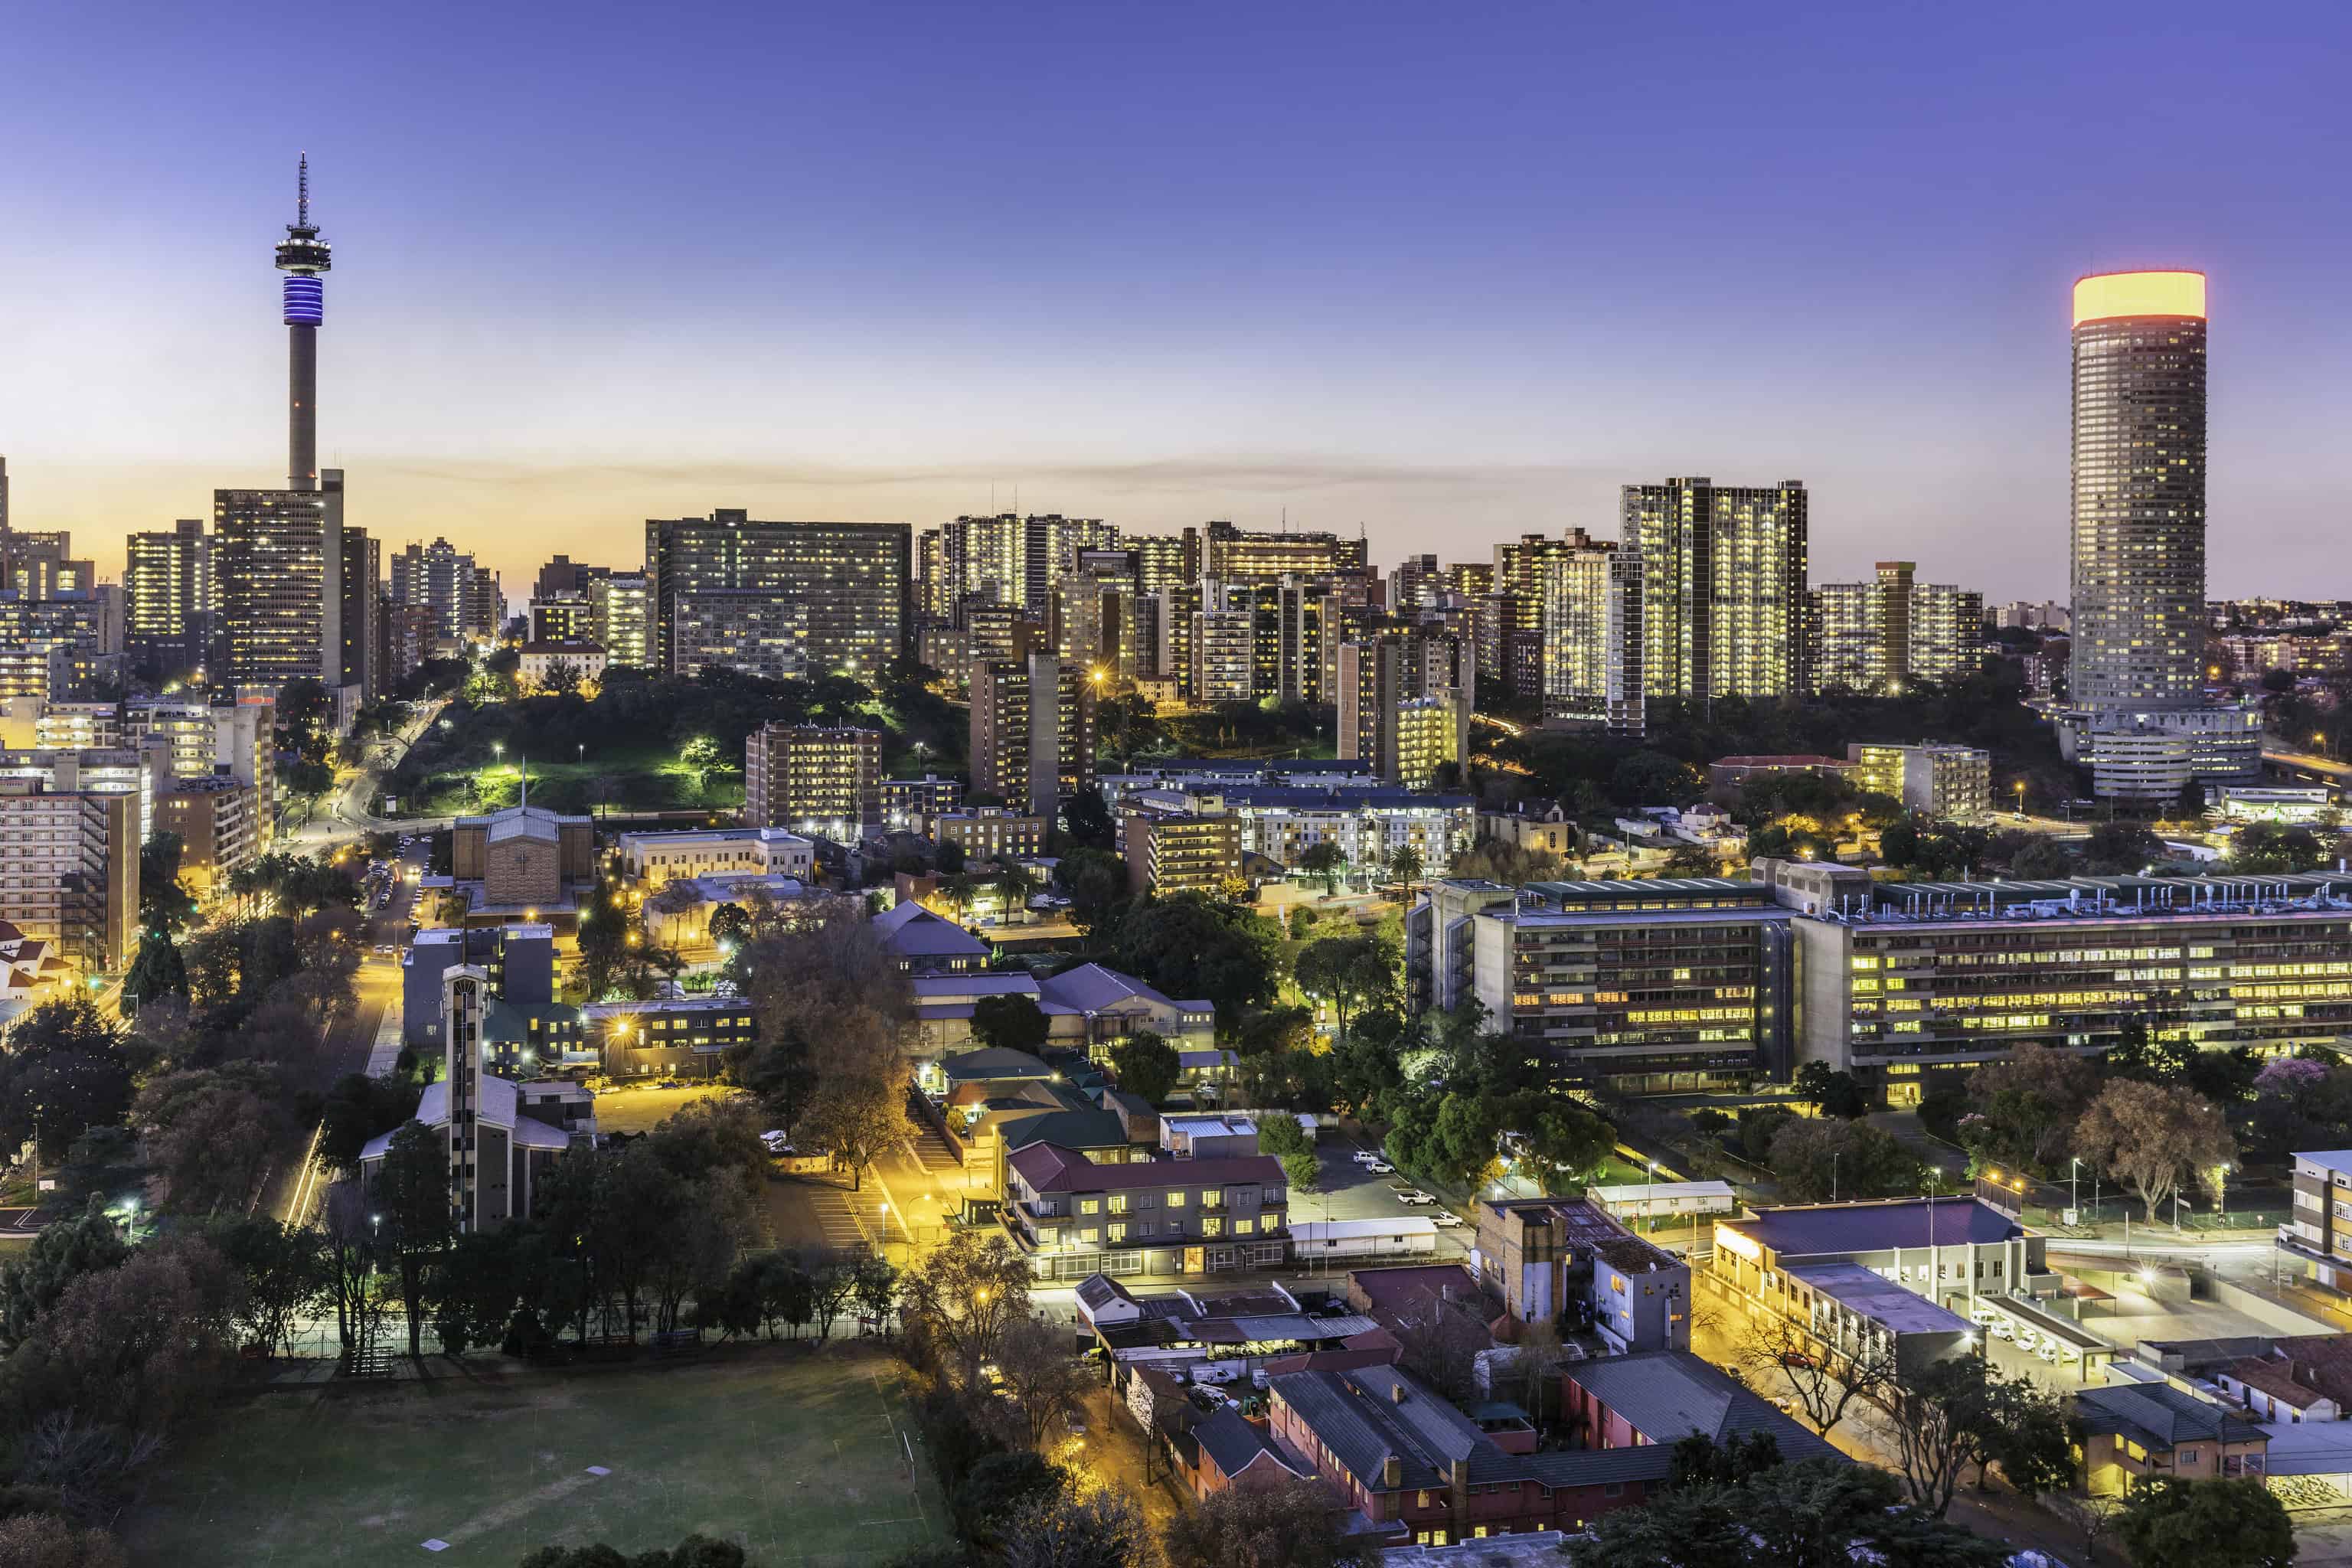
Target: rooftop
x=913, y=932
x=1879, y=1299
x=2159, y=1415
x=1823, y=1230
x=1051, y=1169
x=1666, y=1396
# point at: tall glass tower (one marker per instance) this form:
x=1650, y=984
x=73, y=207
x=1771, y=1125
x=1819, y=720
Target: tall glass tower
x=302, y=255
x=2138, y=502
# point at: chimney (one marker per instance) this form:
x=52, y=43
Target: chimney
x=1392, y=1473
x=1396, y=1391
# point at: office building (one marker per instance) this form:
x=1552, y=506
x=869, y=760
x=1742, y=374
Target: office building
x=621, y=617
x=1177, y=851
x=69, y=868
x=1873, y=637
x=1953, y=781
x=650, y=859
x=1649, y=986
x=519, y=961
x=168, y=601
x=989, y=833
x=847, y=583
x=1590, y=602
x=1032, y=732
x=814, y=780
x=1724, y=576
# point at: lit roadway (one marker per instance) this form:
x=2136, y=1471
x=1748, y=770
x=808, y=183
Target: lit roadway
x=2279, y=756
x=345, y=814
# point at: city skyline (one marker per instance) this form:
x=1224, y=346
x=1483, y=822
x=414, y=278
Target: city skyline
x=1422, y=319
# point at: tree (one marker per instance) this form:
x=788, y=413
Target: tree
x=2153, y=1138
x=2171, y=1523
x=2137, y=1053
x=696, y=1551
x=1147, y=1065
x=411, y=1195
x=1096, y=882
x=1830, y=1090
x=1012, y=1022
x=1347, y=970
x=2024, y=1109
x=1288, y=1524
x=1815, y=1159
x=2121, y=848
x=61, y=1253
x=137, y=1345
x=701, y=757
x=359, y=1109
x=1189, y=946
x=1104, y=1528
x=1406, y=866
x=1087, y=819
x=2028, y=1436
x=165, y=904
x=1282, y=1136
x=1002, y=1484
x=1325, y=859
x=1036, y=1365
x=857, y=1112
x=964, y=1292
x=1818, y=1513
x=1823, y=1379
x=1940, y=1419
x=729, y=923
x=1653, y=778
x=62, y=1060
x=157, y=971
x=285, y=1275
x=1555, y=1137
x=209, y=1132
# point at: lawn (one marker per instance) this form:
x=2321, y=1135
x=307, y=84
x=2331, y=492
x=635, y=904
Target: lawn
x=622, y=779
x=800, y=1457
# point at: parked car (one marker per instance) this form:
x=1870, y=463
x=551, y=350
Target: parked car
x=1445, y=1219
x=1797, y=1358
x=1363, y=1156
x=1416, y=1197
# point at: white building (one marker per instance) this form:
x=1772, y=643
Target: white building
x=1369, y=825
x=649, y=859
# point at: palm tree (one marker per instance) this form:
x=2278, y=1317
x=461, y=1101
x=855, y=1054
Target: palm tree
x=1406, y=866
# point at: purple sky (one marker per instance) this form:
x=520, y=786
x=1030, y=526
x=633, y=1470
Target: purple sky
x=1449, y=273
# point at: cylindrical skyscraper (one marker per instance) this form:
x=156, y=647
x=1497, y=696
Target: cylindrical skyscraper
x=2138, y=502
x=302, y=255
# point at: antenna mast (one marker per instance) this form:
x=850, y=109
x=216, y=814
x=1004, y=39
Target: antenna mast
x=302, y=192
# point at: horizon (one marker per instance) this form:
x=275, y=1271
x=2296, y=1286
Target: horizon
x=1448, y=286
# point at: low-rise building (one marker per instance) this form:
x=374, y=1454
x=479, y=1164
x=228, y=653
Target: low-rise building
x=1089, y=1009
x=1075, y=1217
x=517, y=963
x=1546, y=1257
x=1725, y=775
x=523, y=864
x=2137, y=1432
x=1180, y=852
x=2316, y=1240
x=552, y=666
x=679, y=915
x=1660, y=1397
x=675, y=1037
x=1371, y=824
x=989, y=833
x=923, y=943
x=649, y=859
x=907, y=803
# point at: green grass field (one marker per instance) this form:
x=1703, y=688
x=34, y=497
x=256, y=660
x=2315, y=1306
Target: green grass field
x=800, y=1458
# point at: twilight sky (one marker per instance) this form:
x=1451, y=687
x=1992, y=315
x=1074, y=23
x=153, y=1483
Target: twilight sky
x=1449, y=272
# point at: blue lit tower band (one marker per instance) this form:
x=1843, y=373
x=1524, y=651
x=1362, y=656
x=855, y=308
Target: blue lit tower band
x=302, y=255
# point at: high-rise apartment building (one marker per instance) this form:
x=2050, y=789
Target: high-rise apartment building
x=1724, y=573
x=814, y=780
x=2138, y=503
x=363, y=600
x=1391, y=717
x=280, y=559
x=566, y=578
x=621, y=620
x=847, y=583
x=69, y=870
x=168, y=600
x=1938, y=780
x=1221, y=664
x=1591, y=637
x=1875, y=636
x=454, y=589
x=42, y=566
x=1052, y=545
x=1033, y=732
x=1232, y=554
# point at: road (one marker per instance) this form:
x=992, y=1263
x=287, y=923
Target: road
x=294, y=1192
x=2309, y=761
x=347, y=816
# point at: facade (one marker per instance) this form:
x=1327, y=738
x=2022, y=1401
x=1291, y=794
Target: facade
x=1875, y=636
x=280, y=554
x=563, y=617
x=1184, y=1216
x=69, y=870
x=1724, y=583
x=2138, y=1432
x=923, y=943
x=906, y=802
x=1953, y=781
x=2316, y=1242
x=991, y=833
x=1904, y=984
x=1648, y=986
x=1549, y=1255
x=849, y=580
x=1230, y=553
x=169, y=599
x=2138, y=489
x=1222, y=665
x=1180, y=851
x=218, y=823
x=581, y=664
x=1032, y=732
x=1370, y=825
x=1591, y=604
x=1392, y=718
x=649, y=859
x=523, y=860
x=813, y=779
x=621, y=620
x=1657, y=1398
x=685, y=1037
x=517, y=961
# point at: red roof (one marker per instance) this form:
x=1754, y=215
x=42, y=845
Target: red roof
x=1050, y=1168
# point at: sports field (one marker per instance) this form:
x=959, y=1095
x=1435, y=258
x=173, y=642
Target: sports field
x=800, y=1457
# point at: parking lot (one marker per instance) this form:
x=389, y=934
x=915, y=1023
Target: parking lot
x=1345, y=1189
